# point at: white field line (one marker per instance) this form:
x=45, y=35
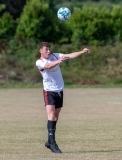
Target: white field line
x=118, y=103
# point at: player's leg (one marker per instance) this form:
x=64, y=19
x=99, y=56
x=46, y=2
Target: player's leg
x=53, y=114
x=57, y=111
x=53, y=108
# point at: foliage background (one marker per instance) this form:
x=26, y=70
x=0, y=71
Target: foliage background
x=93, y=24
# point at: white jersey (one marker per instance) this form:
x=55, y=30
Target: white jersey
x=52, y=78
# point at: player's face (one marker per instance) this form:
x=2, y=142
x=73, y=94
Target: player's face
x=45, y=52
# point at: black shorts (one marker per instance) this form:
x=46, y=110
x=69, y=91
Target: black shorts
x=53, y=98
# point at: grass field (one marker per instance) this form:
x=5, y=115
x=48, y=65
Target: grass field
x=89, y=127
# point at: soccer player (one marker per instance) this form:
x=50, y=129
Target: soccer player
x=53, y=83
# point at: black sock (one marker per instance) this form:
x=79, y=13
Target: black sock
x=51, y=126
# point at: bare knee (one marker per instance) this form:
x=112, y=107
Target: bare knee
x=52, y=117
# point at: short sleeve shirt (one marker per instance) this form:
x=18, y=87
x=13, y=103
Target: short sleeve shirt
x=52, y=78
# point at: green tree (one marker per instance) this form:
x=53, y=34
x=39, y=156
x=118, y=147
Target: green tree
x=92, y=25
x=6, y=25
x=117, y=18
x=2, y=7
x=38, y=21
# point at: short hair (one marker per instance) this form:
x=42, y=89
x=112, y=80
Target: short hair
x=42, y=44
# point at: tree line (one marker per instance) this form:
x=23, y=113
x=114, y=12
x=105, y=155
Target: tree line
x=87, y=25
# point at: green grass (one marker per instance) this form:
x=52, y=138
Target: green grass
x=89, y=126
x=68, y=84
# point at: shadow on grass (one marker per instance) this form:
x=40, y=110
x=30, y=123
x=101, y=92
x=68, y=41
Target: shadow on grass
x=95, y=151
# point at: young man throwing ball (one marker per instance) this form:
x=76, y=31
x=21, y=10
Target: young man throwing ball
x=53, y=83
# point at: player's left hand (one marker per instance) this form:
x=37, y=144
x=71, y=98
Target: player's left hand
x=86, y=50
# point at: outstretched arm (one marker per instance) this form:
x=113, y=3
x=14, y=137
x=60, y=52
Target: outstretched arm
x=66, y=56
x=76, y=54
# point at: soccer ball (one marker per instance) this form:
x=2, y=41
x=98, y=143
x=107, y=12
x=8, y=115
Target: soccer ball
x=63, y=13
